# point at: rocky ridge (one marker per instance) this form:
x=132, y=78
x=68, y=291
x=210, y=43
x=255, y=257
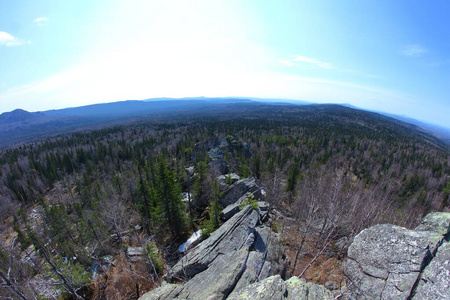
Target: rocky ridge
x=244, y=258
x=244, y=250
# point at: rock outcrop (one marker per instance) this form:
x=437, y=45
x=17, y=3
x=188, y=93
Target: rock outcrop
x=216, y=147
x=392, y=262
x=242, y=251
x=229, y=238
x=275, y=287
x=244, y=259
x=240, y=188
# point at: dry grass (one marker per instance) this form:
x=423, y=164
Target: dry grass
x=119, y=282
x=326, y=269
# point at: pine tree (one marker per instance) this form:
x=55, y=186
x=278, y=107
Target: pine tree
x=214, y=210
x=169, y=196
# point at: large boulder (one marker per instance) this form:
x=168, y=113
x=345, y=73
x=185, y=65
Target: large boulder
x=239, y=253
x=392, y=262
x=165, y=291
x=275, y=287
x=231, y=236
x=219, y=166
x=384, y=261
x=229, y=177
x=241, y=187
x=437, y=222
x=216, y=147
x=435, y=280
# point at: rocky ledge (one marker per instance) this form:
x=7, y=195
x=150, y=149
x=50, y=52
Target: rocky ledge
x=244, y=259
x=242, y=251
x=392, y=262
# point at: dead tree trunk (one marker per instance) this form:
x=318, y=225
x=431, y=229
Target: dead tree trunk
x=12, y=286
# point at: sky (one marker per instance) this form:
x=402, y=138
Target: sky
x=383, y=55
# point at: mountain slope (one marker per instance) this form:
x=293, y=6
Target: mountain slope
x=20, y=126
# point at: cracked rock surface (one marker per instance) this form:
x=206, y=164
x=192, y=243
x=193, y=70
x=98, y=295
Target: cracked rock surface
x=276, y=288
x=239, y=253
x=240, y=188
x=435, y=281
x=243, y=259
x=392, y=262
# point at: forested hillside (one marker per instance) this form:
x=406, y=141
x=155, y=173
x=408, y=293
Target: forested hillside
x=76, y=207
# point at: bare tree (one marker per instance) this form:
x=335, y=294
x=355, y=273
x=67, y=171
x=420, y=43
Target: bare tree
x=116, y=217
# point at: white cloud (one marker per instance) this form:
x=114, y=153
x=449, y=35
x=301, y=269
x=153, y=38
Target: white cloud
x=40, y=20
x=313, y=61
x=287, y=63
x=8, y=40
x=171, y=71
x=413, y=50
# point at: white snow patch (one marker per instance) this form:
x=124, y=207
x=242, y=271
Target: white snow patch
x=195, y=236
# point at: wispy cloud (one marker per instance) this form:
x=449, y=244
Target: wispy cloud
x=297, y=59
x=321, y=64
x=8, y=40
x=40, y=20
x=413, y=50
x=287, y=62
x=303, y=59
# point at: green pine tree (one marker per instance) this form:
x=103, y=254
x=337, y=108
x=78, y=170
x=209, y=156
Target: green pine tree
x=169, y=196
x=214, y=210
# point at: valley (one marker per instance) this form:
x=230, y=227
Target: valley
x=97, y=210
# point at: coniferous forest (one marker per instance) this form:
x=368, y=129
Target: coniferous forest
x=99, y=213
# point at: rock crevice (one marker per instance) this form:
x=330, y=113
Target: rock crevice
x=392, y=262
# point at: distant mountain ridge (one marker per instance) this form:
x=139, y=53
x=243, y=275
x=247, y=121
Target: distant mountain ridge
x=18, y=115
x=440, y=132
x=21, y=126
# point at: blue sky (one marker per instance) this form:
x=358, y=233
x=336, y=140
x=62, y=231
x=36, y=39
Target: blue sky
x=390, y=56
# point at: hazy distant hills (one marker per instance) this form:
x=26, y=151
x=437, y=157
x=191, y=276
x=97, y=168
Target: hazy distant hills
x=135, y=108
x=21, y=126
x=440, y=132
x=18, y=116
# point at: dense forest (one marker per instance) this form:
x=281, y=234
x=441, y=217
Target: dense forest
x=76, y=207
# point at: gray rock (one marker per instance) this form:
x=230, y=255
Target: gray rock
x=214, y=142
x=217, y=147
x=230, y=211
x=219, y=279
x=263, y=208
x=136, y=251
x=435, y=281
x=276, y=288
x=331, y=285
x=265, y=259
x=437, y=222
x=219, y=166
x=231, y=236
x=231, y=176
x=239, y=189
x=386, y=260
x=269, y=288
x=299, y=289
x=165, y=291
x=236, y=255
x=190, y=171
x=235, y=207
